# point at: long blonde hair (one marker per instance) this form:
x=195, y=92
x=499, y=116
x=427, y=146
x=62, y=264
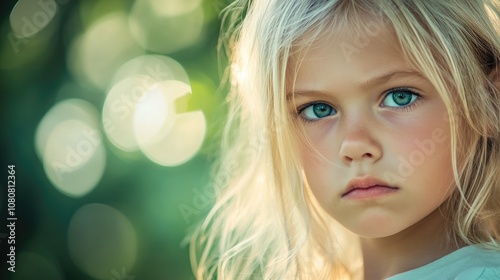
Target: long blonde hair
x=265, y=224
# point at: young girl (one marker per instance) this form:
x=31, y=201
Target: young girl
x=363, y=142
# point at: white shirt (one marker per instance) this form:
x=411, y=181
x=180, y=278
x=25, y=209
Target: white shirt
x=467, y=263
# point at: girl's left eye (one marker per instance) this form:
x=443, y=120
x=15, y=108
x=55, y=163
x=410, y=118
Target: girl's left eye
x=400, y=98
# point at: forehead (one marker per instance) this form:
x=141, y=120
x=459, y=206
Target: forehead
x=353, y=31
x=346, y=51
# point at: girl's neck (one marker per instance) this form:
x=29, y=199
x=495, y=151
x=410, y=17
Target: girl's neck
x=411, y=248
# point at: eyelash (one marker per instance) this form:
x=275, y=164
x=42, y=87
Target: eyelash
x=406, y=108
x=407, y=90
x=301, y=108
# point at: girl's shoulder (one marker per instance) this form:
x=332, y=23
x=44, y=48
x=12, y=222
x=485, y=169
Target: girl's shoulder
x=467, y=263
x=480, y=273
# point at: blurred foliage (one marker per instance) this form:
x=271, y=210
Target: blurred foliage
x=133, y=221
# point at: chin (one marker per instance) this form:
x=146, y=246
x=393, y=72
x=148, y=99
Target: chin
x=375, y=234
x=375, y=228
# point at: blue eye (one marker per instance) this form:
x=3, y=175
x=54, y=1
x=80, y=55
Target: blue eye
x=399, y=98
x=317, y=111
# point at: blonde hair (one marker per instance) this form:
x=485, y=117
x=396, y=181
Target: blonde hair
x=265, y=224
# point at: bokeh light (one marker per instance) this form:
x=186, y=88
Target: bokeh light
x=69, y=142
x=18, y=52
x=153, y=116
x=102, y=49
x=101, y=240
x=140, y=111
x=111, y=102
x=174, y=7
x=158, y=67
x=28, y=17
x=166, y=27
x=165, y=137
x=119, y=107
x=64, y=110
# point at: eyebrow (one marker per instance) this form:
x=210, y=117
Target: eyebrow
x=377, y=80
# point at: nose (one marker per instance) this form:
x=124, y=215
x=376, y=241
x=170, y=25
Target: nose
x=359, y=145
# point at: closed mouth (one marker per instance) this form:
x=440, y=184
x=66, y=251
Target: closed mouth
x=368, y=188
x=367, y=184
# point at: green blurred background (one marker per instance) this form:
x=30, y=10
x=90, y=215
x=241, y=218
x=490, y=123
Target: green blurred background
x=110, y=113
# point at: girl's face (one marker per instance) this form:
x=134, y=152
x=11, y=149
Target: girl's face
x=379, y=155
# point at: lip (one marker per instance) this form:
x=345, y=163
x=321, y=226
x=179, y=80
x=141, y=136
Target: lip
x=367, y=187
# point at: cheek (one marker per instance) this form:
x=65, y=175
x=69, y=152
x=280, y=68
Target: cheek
x=414, y=147
x=421, y=145
x=415, y=141
x=313, y=164
x=318, y=147
x=321, y=170
x=424, y=161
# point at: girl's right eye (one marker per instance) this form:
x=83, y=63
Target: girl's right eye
x=316, y=111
